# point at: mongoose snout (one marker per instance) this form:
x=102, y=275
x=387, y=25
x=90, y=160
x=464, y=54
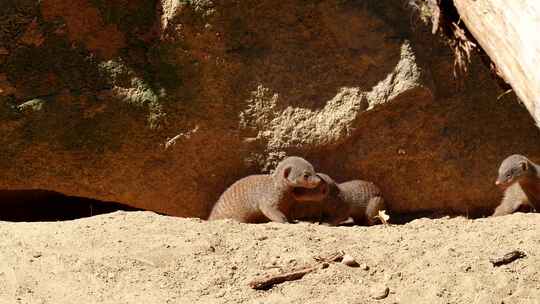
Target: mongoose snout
x=306, y=179
x=513, y=168
x=318, y=193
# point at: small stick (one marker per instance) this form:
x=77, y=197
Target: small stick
x=334, y=257
x=269, y=280
x=504, y=93
x=508, y=258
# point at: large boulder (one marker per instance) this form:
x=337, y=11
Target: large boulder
x=163, y=104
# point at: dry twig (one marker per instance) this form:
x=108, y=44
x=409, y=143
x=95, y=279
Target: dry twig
x=269, y=280
x=508, y=258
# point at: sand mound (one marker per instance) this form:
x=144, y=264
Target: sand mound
x=141, y=257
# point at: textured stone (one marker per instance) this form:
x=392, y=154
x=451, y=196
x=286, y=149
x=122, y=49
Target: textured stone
x=163, y=106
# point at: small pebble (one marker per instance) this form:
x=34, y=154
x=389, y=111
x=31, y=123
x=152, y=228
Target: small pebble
x=379, y=292
x=349, y=261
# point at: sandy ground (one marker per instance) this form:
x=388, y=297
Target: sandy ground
x=141, y=257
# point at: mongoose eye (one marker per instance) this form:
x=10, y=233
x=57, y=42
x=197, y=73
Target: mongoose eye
x=286, y=172
x=306, y=176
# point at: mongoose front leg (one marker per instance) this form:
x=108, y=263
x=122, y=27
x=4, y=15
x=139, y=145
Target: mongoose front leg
x=337, y=219
x=506, y=207
x=272, y=213
x=331, y=223
x=374, y=205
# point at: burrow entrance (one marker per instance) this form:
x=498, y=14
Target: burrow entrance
x=43, y=205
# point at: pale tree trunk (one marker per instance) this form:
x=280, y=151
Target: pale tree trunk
x=509, y=32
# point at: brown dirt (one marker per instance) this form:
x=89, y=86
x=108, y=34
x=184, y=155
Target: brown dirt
x=141, y=257
x=84, y=24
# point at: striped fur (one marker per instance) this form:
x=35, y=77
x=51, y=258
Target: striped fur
x=263, y=198
x=364, y=198
x=358, y=199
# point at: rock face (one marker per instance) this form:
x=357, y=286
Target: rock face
x=163, y=104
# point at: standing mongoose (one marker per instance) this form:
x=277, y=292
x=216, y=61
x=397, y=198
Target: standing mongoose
x=266, y=197
x=519, y=178
x=361, y=200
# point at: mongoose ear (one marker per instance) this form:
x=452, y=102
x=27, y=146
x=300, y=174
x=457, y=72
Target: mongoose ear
x=287, y=172
x=524, y=166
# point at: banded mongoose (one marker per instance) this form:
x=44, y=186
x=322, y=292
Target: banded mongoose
x=361, y=200
x=322, y=204
x=266, y=197
x=519, y=178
